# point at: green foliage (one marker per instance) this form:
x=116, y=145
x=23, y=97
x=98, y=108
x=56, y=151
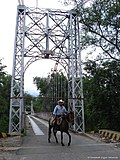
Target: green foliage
x=4, y=120
x=101, y=26
x=42, y=84
x=5, y=81
x=27, y=99
x=51, y=89
x=37, y=103
x=102, y=95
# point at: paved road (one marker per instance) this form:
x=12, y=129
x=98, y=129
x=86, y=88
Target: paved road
x=36, y=147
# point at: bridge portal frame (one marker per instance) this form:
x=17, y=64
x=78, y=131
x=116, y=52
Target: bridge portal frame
x=50, y=34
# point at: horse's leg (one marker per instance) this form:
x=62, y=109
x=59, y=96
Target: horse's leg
x=69, y=137
x=62, y=138
x=49, y=132
x=54, y=132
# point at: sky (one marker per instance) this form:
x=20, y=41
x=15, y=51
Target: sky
x=8, y=10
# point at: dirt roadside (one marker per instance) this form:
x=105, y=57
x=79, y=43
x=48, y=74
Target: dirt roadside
x=9, y=146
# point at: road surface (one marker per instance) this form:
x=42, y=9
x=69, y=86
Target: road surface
x=36, y=147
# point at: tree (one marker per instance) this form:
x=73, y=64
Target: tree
x=27, y=101
x=101, y=26
x=51, y=90
x=5, y=81
x=2, y=73
x=100, y=30
x=102, y=92
x=41, y=84
x=100, y=21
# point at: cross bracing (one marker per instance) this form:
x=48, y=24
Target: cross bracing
x=46, y=34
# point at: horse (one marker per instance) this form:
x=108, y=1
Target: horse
x=62, y=127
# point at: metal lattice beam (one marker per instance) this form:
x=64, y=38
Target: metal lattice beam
x=17, y=84
x=75, y=93
x=41, y=34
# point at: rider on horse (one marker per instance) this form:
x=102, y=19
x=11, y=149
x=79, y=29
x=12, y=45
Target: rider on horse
x=60, y=122
x=59, y=111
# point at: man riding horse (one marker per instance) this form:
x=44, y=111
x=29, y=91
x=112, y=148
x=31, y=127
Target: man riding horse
x=58, y=112
x=60, y=122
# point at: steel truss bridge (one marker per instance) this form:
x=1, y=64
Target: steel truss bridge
x=46, y=34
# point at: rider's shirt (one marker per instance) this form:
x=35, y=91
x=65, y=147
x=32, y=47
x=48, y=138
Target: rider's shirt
x=58, y=110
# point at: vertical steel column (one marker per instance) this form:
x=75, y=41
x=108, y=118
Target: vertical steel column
x=16, y=118
x=52, y=34
x=75, y=93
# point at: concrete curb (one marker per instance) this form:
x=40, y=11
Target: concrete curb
x=97, y=139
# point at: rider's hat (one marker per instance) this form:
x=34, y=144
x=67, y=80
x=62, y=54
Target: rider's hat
x=60, y=101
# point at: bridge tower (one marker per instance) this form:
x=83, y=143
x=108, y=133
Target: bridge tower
x=46, y=34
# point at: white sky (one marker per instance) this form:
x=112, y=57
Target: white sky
x=8, y=10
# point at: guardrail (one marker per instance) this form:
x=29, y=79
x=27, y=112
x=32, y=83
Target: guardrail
x=5, y=135
x=108, y=134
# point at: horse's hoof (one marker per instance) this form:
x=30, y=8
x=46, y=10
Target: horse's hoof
x=48, y=141
x=63, y=144
x=68, y=144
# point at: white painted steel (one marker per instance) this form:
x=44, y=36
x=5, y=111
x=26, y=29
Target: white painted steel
x=43, y=34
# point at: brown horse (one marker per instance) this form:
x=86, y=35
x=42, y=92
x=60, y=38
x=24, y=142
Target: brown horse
x=62, y=127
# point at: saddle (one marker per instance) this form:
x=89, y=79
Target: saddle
x=52, y=121
x=57, y=120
